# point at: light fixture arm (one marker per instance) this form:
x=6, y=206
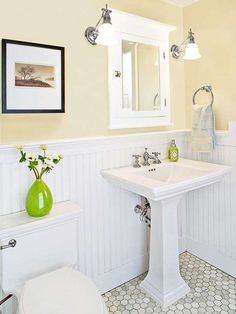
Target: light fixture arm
x=91, y=33
x=96, y=27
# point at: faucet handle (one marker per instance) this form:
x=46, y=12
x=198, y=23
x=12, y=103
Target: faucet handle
x=136, y=161
x=156, y=158
x=156, y=154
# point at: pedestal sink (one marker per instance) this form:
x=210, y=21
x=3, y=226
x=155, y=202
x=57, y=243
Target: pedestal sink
x=164, y=185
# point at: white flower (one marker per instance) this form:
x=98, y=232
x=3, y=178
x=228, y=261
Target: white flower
x=20, y=147
x=44, y=147
x=31, y=156
x=60, y=156
x=49, y=164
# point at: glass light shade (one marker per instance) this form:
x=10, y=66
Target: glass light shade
x=106, y=35
x=192, y=52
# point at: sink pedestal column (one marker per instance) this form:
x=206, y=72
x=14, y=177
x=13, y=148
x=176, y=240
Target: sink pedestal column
x=163, y=281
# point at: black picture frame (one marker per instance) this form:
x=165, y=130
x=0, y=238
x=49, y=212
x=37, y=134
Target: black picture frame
x=6, y=89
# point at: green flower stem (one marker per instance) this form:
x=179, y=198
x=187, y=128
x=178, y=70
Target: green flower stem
x=42, y=169
x=42, y=173
x=36, y=173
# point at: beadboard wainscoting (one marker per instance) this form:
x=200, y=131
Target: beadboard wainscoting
x=211, y=211
x=113, y=243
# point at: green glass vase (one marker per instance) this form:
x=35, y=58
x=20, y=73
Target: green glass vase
x=39, y=199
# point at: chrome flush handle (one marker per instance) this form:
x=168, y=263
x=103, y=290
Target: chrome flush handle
x=11, y=243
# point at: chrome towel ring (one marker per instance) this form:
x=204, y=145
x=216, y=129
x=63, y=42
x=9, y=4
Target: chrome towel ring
x=206, y=88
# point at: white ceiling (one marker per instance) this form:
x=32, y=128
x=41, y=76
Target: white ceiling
x=180, y=3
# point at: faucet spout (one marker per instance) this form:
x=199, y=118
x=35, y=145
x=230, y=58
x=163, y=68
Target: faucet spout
x=146, y=158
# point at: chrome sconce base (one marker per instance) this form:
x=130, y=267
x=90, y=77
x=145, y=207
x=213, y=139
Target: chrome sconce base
x=175, y=51
x=91, y=34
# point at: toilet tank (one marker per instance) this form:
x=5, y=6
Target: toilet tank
x=43, y=244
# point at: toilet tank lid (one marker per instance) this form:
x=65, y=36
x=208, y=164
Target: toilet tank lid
x=12, y=224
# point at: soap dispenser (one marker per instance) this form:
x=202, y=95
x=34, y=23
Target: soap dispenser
x=173, y=152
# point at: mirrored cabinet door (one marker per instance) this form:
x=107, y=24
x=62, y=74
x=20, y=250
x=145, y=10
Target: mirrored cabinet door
x=141, y=76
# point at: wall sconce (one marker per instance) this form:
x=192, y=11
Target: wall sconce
x=103, y=34
x=188, y=47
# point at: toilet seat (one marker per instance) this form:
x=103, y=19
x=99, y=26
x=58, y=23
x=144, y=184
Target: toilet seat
x=62, y=291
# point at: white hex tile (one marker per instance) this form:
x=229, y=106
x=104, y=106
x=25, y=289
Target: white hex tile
x=212, y=291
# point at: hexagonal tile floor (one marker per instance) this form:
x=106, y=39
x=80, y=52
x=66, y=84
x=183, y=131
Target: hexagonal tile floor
x=212, y=291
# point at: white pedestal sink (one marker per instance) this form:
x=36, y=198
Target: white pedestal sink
x=164, y=185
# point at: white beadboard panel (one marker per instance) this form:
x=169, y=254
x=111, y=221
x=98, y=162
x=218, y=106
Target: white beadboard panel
x=113, y=243
x=211, y=211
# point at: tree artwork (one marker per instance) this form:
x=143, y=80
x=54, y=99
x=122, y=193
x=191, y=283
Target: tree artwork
x=29, y=75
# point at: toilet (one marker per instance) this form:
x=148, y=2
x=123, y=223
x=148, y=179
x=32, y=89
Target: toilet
x=41, y=270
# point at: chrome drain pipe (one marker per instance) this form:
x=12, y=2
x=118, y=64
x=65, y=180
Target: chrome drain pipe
x=143, y=212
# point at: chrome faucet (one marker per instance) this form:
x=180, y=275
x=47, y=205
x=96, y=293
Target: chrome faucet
x=146, y=158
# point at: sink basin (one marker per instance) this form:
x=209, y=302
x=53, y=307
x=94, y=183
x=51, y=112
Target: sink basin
x=164, y=185
x=166, y=179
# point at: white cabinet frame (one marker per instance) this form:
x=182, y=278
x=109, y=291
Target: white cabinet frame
x=138, y=29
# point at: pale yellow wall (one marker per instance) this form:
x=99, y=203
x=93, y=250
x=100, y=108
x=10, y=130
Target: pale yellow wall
x=214, y=22
x=63, y=23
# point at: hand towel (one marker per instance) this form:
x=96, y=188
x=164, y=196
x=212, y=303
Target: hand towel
x=203, y=129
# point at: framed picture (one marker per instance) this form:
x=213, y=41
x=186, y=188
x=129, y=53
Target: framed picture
x=32, y=78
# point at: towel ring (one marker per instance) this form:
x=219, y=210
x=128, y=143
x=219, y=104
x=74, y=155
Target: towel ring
x=206, y=88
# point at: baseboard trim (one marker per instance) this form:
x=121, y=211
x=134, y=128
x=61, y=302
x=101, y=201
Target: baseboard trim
x=117, y=277
x=182, y=245
x=211, y=256
x=132, y=269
